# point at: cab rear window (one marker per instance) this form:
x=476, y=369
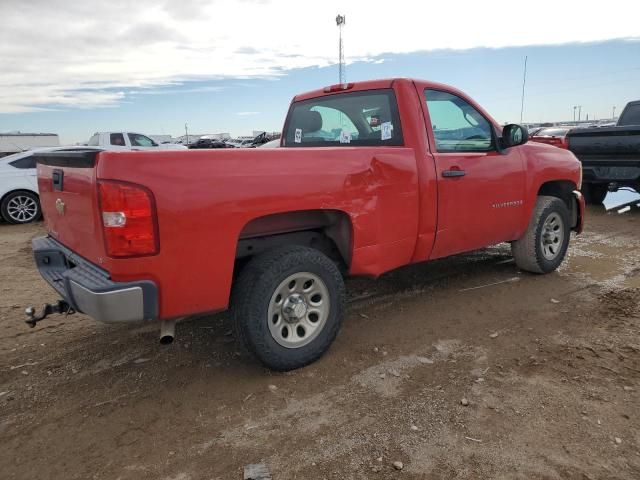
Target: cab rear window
x=368, y=118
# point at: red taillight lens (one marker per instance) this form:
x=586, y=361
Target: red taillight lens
x=338, y=87
x=128, y=219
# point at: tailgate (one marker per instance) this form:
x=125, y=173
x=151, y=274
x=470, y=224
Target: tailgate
x=69, y=199
x=613, y=146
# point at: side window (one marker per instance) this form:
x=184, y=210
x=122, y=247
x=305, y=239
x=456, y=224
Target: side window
x=457, y=126
x=24, y=163
x=117, y=139
x=367, y=118
x=138, y=140
x=94, y=141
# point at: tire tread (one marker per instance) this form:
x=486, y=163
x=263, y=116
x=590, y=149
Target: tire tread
x=254, y=284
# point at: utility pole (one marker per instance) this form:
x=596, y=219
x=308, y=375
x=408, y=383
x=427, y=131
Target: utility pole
x=524, y=82
x=342, y=73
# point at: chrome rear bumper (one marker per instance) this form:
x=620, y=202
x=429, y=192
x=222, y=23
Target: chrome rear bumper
x=88, y=289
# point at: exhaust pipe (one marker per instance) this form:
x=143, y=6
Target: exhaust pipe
x=167, y=331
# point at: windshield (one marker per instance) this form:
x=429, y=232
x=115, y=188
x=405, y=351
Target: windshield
x=368, y=118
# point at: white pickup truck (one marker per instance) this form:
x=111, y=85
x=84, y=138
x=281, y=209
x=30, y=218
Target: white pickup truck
x=128, y=141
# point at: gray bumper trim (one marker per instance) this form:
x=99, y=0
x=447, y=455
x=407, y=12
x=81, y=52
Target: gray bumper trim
x=125, y=305
x=88, y=288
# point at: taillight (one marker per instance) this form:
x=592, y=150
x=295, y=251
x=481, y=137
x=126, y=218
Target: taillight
x=338, y=87
x=128, y=219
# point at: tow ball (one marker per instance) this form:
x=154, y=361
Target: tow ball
x=48, y=309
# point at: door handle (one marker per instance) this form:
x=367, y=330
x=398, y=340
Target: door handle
x=57, y=178
x=453, y=173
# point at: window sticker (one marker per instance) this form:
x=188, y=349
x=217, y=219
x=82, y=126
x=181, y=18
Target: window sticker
x=385, y=130
x=298, y=137
x=345, y=136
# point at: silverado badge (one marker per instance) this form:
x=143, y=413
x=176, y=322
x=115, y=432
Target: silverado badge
x=60, y=206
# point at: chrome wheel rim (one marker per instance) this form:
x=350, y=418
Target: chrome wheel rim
x=298, y=310
x=22, y=208
x=552, y=237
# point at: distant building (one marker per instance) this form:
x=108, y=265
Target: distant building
x=14, y=142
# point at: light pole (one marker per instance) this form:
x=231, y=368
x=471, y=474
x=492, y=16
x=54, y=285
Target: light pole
x=342, y=74
x=186, y=132
x=579, y=112
x=613, y=114
x=574, y=112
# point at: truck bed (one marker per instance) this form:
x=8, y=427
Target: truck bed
x=608, y=155
x=619, y=146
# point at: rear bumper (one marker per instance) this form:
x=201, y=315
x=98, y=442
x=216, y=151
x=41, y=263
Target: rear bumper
x=88, y=289
x=580, y=204
x=605, y=174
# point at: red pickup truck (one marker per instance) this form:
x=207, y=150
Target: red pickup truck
x=370, y=176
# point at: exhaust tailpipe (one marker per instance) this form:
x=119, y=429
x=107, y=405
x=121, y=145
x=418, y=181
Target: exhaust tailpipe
x=167, y=331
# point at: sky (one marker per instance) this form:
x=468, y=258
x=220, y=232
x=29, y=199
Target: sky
x=76, y=67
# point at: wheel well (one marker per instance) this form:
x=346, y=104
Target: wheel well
x=18, y=190
x=562, y=189
x=328, y=231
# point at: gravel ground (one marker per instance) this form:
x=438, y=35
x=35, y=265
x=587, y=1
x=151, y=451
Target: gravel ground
x=533, y=377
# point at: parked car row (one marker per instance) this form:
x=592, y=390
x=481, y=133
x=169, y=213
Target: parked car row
x=610, y=155
x=209, y=142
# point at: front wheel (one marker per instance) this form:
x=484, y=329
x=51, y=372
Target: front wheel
x=20, y=207
x=544, y=245
x=287, y=306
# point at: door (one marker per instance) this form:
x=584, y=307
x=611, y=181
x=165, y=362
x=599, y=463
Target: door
x=480, y=190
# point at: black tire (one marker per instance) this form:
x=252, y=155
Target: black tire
x=30, y=214
x=594, y=193
x=252, y=295
x=529, y=251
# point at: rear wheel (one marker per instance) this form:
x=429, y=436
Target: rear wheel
x=20, y=207
x=544, y=245
x=594, y=193
x=287, y=306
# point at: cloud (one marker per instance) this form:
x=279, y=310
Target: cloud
x=62, y=54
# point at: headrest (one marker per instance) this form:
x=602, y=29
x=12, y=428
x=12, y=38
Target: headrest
x=309, y=121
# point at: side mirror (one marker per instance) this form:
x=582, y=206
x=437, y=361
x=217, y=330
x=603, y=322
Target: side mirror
x=514, y=135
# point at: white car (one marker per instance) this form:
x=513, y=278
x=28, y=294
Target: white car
x=19, y=200
x=129, y=141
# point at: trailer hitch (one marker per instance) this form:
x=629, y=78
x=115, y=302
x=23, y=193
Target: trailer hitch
x=48, y=309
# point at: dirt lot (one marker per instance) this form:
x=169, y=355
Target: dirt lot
x=550, y=366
